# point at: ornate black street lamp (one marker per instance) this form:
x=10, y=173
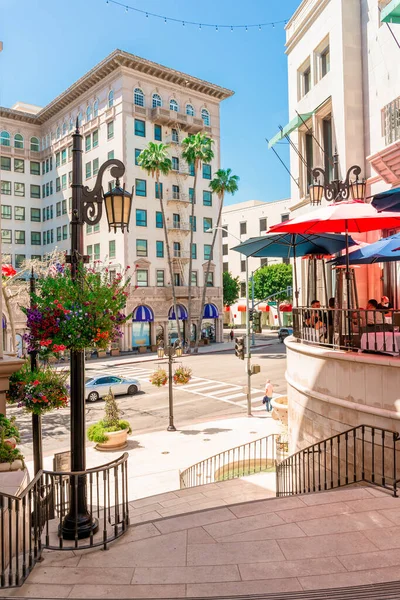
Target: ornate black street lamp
x=336, y=190
x=87, y=208
x=174, y=351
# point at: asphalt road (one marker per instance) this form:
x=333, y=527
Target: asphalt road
x=215, y=391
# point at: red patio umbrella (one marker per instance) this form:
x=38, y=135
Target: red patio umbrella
x=341, y=217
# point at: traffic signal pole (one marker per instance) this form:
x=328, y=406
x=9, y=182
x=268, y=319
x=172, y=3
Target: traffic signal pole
x=248, y=357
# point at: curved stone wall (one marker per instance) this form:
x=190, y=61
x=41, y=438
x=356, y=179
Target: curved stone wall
x=330, y=391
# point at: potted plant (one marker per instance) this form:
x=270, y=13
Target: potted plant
x=159, y=377
x=111, y=433
x=114, y=350
x=38, y=391
x=142, y=349
x=11, y=458
x=182, y=375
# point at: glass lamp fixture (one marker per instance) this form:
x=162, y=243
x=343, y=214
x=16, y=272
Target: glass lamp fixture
x=118, y=203
x=316, y=191
x=160, y=352
x=358, y=189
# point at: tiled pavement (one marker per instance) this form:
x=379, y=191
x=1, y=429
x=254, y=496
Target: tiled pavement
x=328, y=540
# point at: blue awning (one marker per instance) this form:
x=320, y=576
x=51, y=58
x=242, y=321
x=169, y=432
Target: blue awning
x=182, y=313
x=143, y=314
x=389, y=200
x=210, y=312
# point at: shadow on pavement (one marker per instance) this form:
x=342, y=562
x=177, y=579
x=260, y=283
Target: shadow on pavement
x=210, y=431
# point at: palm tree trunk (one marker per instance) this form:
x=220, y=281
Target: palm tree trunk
x=196, y=168
x=203, y=298
x=7, y=302
x=171, y=273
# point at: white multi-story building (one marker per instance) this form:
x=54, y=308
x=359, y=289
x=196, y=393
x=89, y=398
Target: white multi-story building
x=344, y=88
x=121, y=104
x=241, y=221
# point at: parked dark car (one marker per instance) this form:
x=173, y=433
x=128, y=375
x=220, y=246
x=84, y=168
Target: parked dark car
x=284, y=332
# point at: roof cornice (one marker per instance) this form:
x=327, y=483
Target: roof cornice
x=111, y=63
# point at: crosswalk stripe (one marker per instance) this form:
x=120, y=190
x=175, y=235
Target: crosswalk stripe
x=227, y=390
x=233, y=396
x=212, y=386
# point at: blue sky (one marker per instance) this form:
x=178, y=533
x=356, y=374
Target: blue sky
x=48, y=44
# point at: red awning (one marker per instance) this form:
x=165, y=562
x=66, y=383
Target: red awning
x=242, y=308
x=263, y=307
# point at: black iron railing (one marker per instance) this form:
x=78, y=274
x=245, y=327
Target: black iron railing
x=363, y=453
x=246, y=459
x=366, y=330
x=33, y=520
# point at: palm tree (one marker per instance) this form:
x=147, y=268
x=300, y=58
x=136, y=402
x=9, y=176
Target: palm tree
x=223, y=183
x=197, y=149
x=155, y=161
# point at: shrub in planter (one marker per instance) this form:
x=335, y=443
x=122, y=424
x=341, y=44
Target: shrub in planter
x=111, y=432
x=10, y=457
x=159, y=377
x=182, y=375
x=39, y=391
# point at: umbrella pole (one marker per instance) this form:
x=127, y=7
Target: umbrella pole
x=308, y=280
x=325, y=283
x=348, y=285
x=296, y=293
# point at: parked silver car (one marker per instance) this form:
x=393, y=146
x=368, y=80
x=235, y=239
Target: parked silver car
x=99, y=386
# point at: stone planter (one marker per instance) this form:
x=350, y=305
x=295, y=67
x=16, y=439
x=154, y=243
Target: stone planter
x=154, y=348
x=116, y=441
x=17, y=465
x=101, y=353
x=280, y=408
x=114, y=352
x=142, y=349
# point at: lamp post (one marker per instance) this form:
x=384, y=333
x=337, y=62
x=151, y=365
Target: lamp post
x=87, y=208
x=174, y=351
x=248, y=355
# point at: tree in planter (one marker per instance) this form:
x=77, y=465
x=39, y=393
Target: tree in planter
x=273, y=279
x=197, y=149
x=223, y=182
x=155, y=161
x=230, y=288
x=110, y=423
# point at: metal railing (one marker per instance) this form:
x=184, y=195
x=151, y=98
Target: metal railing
x=363, y=453
x=246, y=459
x=355, y=329
x=33, y=520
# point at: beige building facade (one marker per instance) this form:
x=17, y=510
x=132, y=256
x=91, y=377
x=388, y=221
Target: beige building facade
x=121, y=104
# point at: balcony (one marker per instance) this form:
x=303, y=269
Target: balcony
x=178, y=226
x=178, y=197
x=139, y=111
x=180, y=255
x=174, y=139
x=164, y=116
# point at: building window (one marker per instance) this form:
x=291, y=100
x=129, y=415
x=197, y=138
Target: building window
x=206, y=171
x=263, y=225
x=6, y=236
x=158, y=188
x=58, y=184
x=141, y=187
x=19, y=237
x=207, y=198
x=64, y=182
x=225, y=267
x=207, y=224
x=210, y=279
x=35, y=144
x=35, y=191
x=242, y=290
x=177, y=280
x=5, y=163
x=205, y=115
x=19, y=213
x=111, y=249
x=95, y=138
x=157, y=133
x=95, y=166
x=96, y=228
x=65, y=232
x=5, y=188
x=191, y=195
x=193, y=222
x=286, y=261
x=88, y=170
x=304, y=79
x=96, y=249
x=142, y=278
x=194, y=251
x=284, y=218
x=88, y=143
x=110, y=99
x=159, y=220
x=160, y=278
x=328, y=147
x=243, y=228
x=224, y=249
x=325, y=59
x=64, y=207
x=138, y=97
x=35, y=215
x=264, y=262
x=19, y=260
x=19, y=165
x=243, y=266
x=191, y=169
x=141, y=218
x=89, y=252
x=6, y=212
x=309, y=143
x=34, y=168
x=64, y=156
x=5, y=138
x=224, y=231
x=175, y=163
x=175, y=135
x=137, y=154
x=207, y=251
x=18, y=141
x=194, y=278
x=110, y=130
x=173, y=105
x=141, y=247
x=95, y=108
x=58, y=209
x=156, y=100
x=160, y=249
x=189, y=110
x=58, y=236
x=19, y=189
x=177, y=250
x=58, y=159
x=140, y=128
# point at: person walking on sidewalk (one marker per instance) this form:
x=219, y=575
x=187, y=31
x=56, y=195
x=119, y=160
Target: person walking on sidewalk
x=269, y=390
x=231, y=334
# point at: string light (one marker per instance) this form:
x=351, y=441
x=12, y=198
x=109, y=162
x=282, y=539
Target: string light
x=200, y=25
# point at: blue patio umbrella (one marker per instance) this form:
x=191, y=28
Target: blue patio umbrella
x=292, y=245
x=389, y=200
x=384, y=250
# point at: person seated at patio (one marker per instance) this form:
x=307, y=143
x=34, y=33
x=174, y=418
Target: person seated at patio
x=314, y=319
x=331, y=315
x=385, y=304
x=374, y=317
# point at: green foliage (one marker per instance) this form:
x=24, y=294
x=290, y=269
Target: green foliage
x=197, y=148
x=224, y=183
x=159, y=377
x=8, y=454
x=155, y=160
x=231, y=288
x=39, y=391
x=8, y=430
x=111, y=410
x=273, y=279
x=111, y=422
x=8, y=427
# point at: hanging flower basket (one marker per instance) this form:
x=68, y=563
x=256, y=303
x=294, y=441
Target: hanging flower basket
x=182, y=375
x=159, y=378
x=38, y=391
x=74, y=315
x=7, y=271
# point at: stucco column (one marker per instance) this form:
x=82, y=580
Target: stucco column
x=129, y=337
x=8, y=365
x=153, y=328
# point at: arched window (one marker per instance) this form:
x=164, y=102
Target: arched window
x=110, y=98
x=35, y=145
x=88, y=113
x=64, y=128
x=95, y=108
x=4, y=138
x=157, y=100
x=189, y=110
x=173, y=105
x=138, y=97
x=205, y=115
x=58, y=133
x=80, y=118
x=18, y=141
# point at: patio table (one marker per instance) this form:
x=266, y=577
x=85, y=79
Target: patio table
x=379, y=341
